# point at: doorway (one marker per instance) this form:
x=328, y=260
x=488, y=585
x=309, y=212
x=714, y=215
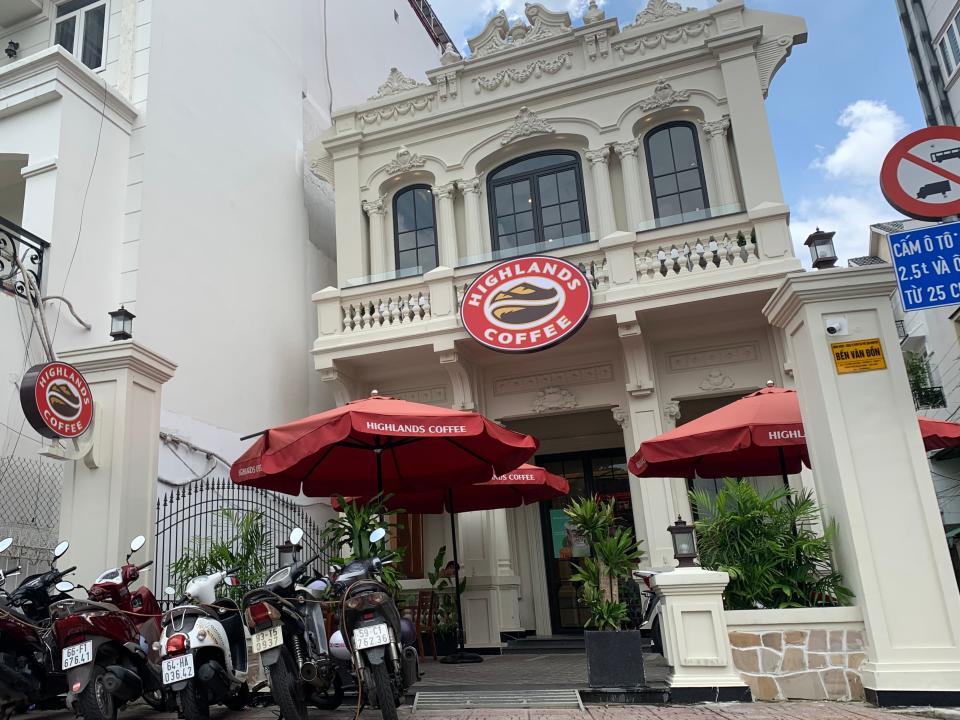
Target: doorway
x=600, y=472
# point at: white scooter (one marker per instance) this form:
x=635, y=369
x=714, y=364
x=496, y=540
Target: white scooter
x=205, y=649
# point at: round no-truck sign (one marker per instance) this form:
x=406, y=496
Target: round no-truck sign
x=920, y=176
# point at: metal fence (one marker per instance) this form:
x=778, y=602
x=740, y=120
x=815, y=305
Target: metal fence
x=30, y=491
x=191, y=516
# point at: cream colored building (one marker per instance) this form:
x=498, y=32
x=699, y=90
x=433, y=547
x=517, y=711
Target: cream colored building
x=637, y=148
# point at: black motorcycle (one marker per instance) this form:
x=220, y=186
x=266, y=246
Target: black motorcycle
x=372, y=631
x=29, y=659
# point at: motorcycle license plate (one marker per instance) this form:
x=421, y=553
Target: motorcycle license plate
x=177, y=669
x=372, y=636
x=263, y=641
x=77, y=655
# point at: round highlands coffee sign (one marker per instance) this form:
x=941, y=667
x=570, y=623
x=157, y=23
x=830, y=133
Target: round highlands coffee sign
x=56, y=400
x=527, y=304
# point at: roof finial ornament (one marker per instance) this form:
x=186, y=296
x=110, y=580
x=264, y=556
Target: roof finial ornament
x=593, y=14
x=450, y=55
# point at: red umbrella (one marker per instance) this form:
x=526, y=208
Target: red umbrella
x=760, y=434
x=381, y=444
x=523, y=486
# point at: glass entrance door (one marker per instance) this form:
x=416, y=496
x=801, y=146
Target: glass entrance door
x=603, y=472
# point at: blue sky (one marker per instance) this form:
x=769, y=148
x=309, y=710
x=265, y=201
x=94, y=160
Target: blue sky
x=836, y=106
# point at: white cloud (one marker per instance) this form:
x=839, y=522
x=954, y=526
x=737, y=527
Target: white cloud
x=872, y=128
x=850, y=216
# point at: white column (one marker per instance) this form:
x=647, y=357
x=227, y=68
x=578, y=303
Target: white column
x=632, y=182
x=471, y=205
x=873, y=479
x=447, y=226
x=106, y=504
x=376, y=211
x=716, y=132
x=601, y=189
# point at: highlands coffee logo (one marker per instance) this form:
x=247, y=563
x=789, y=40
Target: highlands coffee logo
x=526, y=305
x=56, y=400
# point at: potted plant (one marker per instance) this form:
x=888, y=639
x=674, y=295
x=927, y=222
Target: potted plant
x=614, y=655
x=445, y=617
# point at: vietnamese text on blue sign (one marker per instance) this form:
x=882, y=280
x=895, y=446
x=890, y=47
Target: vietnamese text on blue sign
x=927, y=265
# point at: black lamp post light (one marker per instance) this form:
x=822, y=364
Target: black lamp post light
x=684, y=543
x=121, y=324
x=822, y=252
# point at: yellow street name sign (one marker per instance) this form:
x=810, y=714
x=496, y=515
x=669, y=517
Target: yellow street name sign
x=858, y=356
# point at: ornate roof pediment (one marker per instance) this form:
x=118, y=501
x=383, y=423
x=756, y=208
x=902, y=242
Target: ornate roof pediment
x=396, y=82
x=499, y=35
x=659, y=11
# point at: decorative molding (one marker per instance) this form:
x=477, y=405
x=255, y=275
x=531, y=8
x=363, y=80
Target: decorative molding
x=663, y=96
x=447, y=85
x=525, y=123
x=585, y=375
x=498, y=35
x=39, y=167
x=662, y=39
x=715, y=128
x=711, y=357
x=658, y=11
x=593, y=14
x=600, y=155
x=445, y=191
x=671, y=411
x=535, y=68
x=597, y=43
x=716, y=380
x=627, y=148
x=405, y=107
x=342, y=386
x=620, y=416
x=375, y=207
x=434, y=395
x=770, y=56
x=460, y=373
x=554, y=398
x=450, y=55
x=396, y=82
x=404, y=162
x=470, y=185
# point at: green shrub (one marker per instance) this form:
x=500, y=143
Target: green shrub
x=766, y=543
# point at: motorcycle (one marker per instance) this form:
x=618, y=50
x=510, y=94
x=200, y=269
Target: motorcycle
x=289, y=634
x=204, y=649
x=107, y=643
x=372, y=631
x=28, y=674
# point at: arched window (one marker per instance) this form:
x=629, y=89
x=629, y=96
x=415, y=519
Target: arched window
x=676, y=173
x=415, y=228
x=537, y=198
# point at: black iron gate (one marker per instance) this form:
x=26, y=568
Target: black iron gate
x=192, y=514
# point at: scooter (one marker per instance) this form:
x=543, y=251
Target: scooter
x=650, y=614
x=372, y=631
x=288, y=632
x=107, y=641
x=28, y=675
x=204, y=646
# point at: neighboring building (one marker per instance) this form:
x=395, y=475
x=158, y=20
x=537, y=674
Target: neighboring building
x=155, y=153
x=639, y=151
x=932, y=32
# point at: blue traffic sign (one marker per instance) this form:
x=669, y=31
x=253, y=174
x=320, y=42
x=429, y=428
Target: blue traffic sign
x=927, y=265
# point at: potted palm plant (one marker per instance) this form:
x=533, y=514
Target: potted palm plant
x=614, y=655
x=445, y=618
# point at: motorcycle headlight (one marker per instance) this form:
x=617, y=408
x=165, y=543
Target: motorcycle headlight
x=353, y=603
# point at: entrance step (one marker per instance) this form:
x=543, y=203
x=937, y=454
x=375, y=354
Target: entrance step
x=509, y=699
x=546, y=645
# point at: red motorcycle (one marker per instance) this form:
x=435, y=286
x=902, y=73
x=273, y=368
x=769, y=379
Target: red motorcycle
x=107, y=643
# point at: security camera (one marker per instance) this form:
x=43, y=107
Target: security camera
x=836, y=325
x=833, y=328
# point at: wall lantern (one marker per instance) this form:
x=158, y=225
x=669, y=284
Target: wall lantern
x=121, y=324
x=684, y=543
x=821, y=247
x=287, y=553
x=11, y=49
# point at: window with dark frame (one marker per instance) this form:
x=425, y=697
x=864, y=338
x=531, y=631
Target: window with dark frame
x=80, y=29
x=675, y=170
x=536, y=198
x=415, y=229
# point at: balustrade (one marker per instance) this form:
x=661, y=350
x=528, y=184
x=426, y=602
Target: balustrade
x=700, y=255
x=386, y=311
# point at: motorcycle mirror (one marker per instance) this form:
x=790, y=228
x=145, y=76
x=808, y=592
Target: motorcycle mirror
x=137, y=543
x=378, y=535
x=168, y=590
x=296, y=535
x=65, y=586
x=231, y=581
x=60, y=549
x=5, y=543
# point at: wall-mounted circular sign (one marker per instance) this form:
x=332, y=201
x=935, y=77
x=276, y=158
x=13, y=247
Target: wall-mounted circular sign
x=527, y=304
x=56, y=400
x=920, y=176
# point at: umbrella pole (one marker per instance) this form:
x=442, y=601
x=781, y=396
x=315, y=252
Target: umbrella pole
x=460, y=656
x=783, y=467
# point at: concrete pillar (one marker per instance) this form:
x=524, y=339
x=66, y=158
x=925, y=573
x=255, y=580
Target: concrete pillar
x=471, y=205
x=872, y=478
x=106, y=504
x=376, y=211
x=447, y=226
x=716, y=133
x=606, y=222
x=632, y=182
x=349, y=220
x=695, y=640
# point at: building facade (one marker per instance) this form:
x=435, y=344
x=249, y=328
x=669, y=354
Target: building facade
x=637, y=149
x=932, y=33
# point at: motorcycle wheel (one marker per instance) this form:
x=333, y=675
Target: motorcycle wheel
x=193, y=702
x=95, y=702
x=157, y=700
x=240, y=700
x=286, y=688
x=331, y=701
x=383, y=691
